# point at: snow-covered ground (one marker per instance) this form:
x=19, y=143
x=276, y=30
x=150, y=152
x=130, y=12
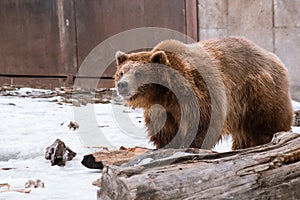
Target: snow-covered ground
x=29, y=125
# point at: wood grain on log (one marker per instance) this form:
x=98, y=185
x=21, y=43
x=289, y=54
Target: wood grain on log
x=105, y=157
x=270, y=171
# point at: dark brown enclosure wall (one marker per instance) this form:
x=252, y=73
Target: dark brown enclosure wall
x=43, y=42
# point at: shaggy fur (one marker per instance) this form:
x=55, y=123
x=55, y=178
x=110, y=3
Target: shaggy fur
x=193, y=93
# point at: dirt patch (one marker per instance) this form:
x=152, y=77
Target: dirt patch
x=74, y=96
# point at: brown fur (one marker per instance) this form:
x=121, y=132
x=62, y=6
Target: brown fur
x=247, y=86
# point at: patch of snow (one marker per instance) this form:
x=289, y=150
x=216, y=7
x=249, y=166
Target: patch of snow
x=29, y=125
x=24, y=91
x=27, y=129
x=296, y=105
x=296, y=129
x=224, y=145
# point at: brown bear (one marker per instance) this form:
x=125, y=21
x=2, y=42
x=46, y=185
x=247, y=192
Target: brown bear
x=193, y=94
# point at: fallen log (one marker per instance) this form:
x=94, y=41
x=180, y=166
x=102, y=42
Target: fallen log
x=270, y=171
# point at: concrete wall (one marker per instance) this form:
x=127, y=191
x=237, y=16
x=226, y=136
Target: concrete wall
x=273, y=24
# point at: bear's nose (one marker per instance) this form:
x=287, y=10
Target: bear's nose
x=122, y=86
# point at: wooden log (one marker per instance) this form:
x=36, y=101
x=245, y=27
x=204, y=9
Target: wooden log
x=104, y=157
x=270, y=171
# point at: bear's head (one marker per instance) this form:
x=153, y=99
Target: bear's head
x=138, y=73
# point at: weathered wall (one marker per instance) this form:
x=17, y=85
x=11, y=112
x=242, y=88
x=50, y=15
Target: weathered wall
x=44, y=42
x=273, y=24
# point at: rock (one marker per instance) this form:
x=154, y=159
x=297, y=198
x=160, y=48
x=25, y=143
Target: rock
x=296, y=118
x=34, y=183
x=58, y=153
x=73, y=125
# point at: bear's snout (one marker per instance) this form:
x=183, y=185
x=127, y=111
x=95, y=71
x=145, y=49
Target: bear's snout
x=122, y=87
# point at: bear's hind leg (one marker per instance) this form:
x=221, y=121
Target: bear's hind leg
x=238, y=142
x=251, y=139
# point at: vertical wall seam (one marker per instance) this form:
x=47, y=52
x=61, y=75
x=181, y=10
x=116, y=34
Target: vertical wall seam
x=61, y=30
x=273, y=25
x=76, y=36
x=227, y=18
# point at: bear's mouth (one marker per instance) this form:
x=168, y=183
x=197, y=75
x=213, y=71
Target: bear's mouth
x=130, y=95
x=127, y=96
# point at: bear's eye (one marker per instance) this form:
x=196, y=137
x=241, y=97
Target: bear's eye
x=137, y=74
x=121, y=74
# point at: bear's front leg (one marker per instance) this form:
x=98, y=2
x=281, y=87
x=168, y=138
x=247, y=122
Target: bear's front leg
x=161, y=125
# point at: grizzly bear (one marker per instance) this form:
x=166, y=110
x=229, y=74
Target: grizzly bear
x=193, y=94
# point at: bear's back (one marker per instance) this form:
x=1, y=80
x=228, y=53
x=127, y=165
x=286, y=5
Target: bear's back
x=257, y=89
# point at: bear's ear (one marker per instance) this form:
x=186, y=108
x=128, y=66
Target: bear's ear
x=121, y=57
x=159, y=57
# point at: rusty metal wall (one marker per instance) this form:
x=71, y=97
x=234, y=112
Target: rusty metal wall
x=48, y=39
x=98, y=20
x=37, y=38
